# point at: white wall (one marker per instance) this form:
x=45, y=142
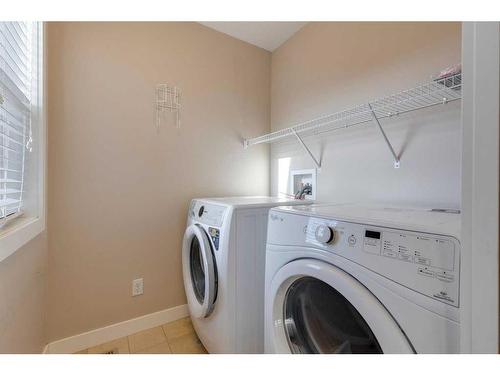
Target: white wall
x=328, y=67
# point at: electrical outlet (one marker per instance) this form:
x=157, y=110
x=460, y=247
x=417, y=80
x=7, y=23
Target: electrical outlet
x=137, y=287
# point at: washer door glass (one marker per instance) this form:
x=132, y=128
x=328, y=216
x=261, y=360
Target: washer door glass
x=318, y=319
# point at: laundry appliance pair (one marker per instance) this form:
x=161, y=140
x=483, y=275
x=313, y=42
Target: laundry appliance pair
x=334, y=278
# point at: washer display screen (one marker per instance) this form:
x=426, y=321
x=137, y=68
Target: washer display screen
x=372, y=234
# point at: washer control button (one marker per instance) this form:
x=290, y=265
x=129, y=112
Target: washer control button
x=446, y=277
x=201, y=210
x=324, y=234
x=389, y=253
x=405, y=256
x=425, y=272
x=351, y=240
x=422, y=260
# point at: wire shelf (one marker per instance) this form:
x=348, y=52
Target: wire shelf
x=439, y=91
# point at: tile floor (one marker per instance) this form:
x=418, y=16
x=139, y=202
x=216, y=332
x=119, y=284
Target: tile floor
x=172, y=338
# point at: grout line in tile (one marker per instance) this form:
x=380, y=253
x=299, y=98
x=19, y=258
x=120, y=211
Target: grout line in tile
x=169, y=347
x=168, y=338
x=150, y=346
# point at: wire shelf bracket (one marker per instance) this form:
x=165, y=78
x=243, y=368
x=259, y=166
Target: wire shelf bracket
x=387, y=142
x=437, y=92
x=316, y=162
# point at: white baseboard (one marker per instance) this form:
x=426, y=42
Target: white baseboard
x=101, y=335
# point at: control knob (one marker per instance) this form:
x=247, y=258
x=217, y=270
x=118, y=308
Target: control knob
x=324, y=234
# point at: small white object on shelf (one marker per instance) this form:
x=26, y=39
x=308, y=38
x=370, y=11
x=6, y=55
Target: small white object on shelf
x=439, y=91
x=167, y=99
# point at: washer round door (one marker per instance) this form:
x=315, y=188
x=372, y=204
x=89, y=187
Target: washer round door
x=318, y=308
x=199, y=271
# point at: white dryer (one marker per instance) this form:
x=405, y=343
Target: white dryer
x=223, y=259
x=351, y=279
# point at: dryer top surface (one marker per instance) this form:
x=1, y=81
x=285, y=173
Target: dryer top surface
x=255, y=201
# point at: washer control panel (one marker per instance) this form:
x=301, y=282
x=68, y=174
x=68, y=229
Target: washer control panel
x=426, y=263
x=420, y=249
x=207, y=213
x=214, y=234
x=371, y=242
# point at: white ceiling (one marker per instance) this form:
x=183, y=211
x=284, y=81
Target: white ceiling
x=267, y=35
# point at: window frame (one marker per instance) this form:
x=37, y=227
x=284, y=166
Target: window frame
x=24, y=228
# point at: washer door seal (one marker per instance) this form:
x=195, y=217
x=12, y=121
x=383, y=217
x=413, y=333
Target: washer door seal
x=199, y=271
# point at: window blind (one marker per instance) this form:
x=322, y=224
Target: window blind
x=16, y=55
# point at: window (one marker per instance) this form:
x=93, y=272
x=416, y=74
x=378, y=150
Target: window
x=21, y=126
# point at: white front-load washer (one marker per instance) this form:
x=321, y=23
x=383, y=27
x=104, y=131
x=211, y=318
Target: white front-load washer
x=223, y=260
x=352, y=279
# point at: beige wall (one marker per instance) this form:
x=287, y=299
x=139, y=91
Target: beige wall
x=23, y=296
x=327, y=67
x=118, y=190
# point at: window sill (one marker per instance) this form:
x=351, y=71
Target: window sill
x=18, y=233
